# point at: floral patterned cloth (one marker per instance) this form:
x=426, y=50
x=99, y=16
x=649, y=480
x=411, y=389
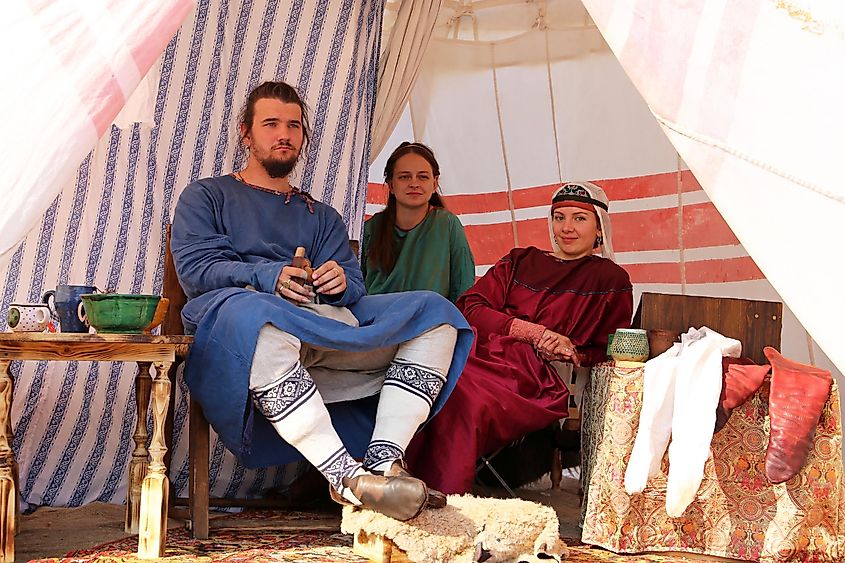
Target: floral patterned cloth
x=737, y=512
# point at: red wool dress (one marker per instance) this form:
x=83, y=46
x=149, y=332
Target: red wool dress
x=506, y=390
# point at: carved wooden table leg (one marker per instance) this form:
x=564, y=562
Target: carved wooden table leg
x=8, y=469
x=152, y=532
x=138, y=464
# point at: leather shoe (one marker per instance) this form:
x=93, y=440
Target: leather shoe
x=398, y=468
x=401, y=498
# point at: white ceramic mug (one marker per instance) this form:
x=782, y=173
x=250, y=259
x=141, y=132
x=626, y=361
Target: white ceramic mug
x=28, y=317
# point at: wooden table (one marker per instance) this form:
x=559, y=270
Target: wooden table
x=147, y=493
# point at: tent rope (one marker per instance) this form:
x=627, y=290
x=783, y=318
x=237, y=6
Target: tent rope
x=511, y=206
x=682, y=261
x=554, y=109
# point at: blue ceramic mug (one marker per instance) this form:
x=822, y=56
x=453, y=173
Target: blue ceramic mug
x=64, y=302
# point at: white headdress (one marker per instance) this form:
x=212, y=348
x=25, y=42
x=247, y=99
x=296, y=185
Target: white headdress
x=581, y=193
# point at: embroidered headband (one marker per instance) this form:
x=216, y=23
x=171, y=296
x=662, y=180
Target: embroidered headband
x=574, y=194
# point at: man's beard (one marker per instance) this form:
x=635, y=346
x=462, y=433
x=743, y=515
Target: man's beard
x=279, y=168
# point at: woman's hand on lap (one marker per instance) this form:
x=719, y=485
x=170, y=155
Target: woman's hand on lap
x=553, y=346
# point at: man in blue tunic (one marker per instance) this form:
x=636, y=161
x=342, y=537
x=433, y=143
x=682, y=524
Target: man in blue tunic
x=352, y=376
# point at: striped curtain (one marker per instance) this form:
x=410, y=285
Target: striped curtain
x=73, y=421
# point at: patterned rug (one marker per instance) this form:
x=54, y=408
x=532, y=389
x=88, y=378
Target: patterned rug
x=266, y=545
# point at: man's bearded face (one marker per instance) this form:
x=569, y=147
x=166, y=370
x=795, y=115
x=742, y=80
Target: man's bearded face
x=276, y=136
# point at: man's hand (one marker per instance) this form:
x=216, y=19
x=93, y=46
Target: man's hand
x=330, y=279
x=292, y=290
x=553, y=346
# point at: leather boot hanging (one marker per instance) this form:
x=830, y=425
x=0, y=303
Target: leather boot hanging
x=797, y=398
x=741, y=378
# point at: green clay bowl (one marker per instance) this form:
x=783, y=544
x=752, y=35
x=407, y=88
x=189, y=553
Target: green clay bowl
x=119, y=313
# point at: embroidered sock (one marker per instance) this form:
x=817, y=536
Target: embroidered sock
x=294, y=407
x=411, y=385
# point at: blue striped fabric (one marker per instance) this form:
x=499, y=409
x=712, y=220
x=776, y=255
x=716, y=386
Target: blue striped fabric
x=74, y=421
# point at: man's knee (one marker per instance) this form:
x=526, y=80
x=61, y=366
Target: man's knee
x=432, y=349
x=276, y=356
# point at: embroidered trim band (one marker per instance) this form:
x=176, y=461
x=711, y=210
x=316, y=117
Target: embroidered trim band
x=339, y=465
x=415, y=380
x=289, y=394
x=380, y=452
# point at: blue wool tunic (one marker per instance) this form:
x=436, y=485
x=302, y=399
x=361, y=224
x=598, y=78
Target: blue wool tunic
x=226, y=236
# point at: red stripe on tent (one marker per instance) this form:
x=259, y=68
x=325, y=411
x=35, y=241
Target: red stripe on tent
x=620, y=189
x=658, y=272
x=458, y=203
x=652, y=229
x=167, y=20
x=534, y=232
x=704, y=226
x=535, y=196
x=99, y=91
x=657, y=229
x=653, y=185
x=723, y=270
x=489, y=242
x=377, y=193
x=697, y=272
x=477, y=203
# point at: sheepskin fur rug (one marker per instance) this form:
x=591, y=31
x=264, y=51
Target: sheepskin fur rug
x=468, y=529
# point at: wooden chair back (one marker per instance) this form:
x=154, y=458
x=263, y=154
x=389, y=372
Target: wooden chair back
x=755, y=324
x=173, y=291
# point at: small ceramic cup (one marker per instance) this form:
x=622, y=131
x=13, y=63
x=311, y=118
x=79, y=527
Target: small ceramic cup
x=28, y=317
x=629, y=345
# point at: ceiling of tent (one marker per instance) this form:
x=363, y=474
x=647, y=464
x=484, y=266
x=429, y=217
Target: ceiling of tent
x=499, y=20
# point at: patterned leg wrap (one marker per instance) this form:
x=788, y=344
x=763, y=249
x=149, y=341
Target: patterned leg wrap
x=286, y=396
x=382, y=452
x=417, y=381
x=339, y=465
x=294, y=407
x=406, y=398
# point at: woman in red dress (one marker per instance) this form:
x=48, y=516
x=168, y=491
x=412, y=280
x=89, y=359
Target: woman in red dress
x=531, y=308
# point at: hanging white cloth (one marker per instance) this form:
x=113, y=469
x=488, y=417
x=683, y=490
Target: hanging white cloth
x=698, y=384
x=680, y=394
x=399, y=65
x=655, y=420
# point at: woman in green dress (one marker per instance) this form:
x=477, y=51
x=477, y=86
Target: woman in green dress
x=415, y=243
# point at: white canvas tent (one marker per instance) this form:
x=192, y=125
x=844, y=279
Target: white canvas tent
x=518, y=98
